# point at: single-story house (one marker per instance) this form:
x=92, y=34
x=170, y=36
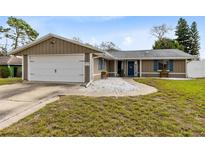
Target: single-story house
x=10, y=66
x=58, y=59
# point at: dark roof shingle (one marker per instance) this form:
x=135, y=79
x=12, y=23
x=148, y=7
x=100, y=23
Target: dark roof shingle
x=10, y=60
x=150, y=54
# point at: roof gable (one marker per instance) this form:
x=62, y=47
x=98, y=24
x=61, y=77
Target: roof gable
x=52, y=39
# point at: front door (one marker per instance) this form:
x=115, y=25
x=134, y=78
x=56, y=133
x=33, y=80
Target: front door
x=130, y=68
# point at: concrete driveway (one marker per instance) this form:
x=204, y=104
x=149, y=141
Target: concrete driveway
x=19, y=100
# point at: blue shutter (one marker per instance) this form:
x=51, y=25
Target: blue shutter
x=155, y=65
x=170, y=65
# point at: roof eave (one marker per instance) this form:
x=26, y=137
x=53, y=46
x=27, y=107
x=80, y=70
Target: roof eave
x=153, y=58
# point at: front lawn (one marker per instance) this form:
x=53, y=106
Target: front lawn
x=178, y=109
x=9, y=80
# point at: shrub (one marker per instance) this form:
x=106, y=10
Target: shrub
x=4, y=72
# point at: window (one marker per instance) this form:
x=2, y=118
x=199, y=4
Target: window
x=101, y=64
x=160, y=65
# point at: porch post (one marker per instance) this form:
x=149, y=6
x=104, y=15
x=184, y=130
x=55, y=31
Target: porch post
x=115, y=67
x=140, y=68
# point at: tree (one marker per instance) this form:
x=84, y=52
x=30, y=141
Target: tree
x=20, y=32
x=77, y=39
x=195, y=44
x=107, y=46
x=183, y=34
x=3, y=40
x=160, y=31
x=166, y=43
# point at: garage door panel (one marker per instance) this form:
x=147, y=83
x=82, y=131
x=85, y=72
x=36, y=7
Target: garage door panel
x=66, y=68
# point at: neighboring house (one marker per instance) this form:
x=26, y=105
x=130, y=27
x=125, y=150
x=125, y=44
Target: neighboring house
x=58, y=59
x=12, y=65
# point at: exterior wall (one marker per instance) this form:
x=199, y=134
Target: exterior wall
x=179, y=66
x=136, y=67
x=196, y=69
x=125, y=66
x=97, y=72
x=55, y=46
x=25, y=67
x=179, y=69
x=87, y=67
x=111, y=68
x=147, y=65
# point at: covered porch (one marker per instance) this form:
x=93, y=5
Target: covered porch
x=122, y=68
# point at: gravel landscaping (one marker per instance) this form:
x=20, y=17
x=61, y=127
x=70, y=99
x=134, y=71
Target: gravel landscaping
x=117, y=87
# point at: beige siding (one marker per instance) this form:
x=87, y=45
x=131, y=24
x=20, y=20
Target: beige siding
x=87, y=67
x=25, y=67
x=97, y=72
x=147, y=65
x=111, y=65
x=179, y=66
x=178, y=69
x=87, y=73
x=55, y=46
x=87, y=57
x=96, y=61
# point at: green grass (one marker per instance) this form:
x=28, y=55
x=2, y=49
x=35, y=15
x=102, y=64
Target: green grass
x=177, y=109
x=9, y=80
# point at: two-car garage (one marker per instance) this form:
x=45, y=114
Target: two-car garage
x=57, y=68
x=54, y=58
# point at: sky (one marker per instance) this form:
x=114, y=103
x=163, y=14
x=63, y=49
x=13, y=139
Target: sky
x=128, y=33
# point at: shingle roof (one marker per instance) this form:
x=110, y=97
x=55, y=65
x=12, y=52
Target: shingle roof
x=10, y=60
x=150, y=54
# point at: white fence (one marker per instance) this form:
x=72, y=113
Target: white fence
x=196, y=69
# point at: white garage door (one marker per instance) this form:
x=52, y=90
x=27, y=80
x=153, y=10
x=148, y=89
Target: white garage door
x=60, y=68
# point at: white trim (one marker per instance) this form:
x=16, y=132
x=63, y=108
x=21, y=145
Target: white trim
x=88, y=84
x=96, y=57
x=136, y=71
x=28, y=66
x=23, y=68
x=112, y=72
x=83, y=76
x=140, y=68
x=91, y=66
x=186, y=68
x=96, y=74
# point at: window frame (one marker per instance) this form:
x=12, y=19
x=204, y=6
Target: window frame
x=160, y=64
x=101, y=64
